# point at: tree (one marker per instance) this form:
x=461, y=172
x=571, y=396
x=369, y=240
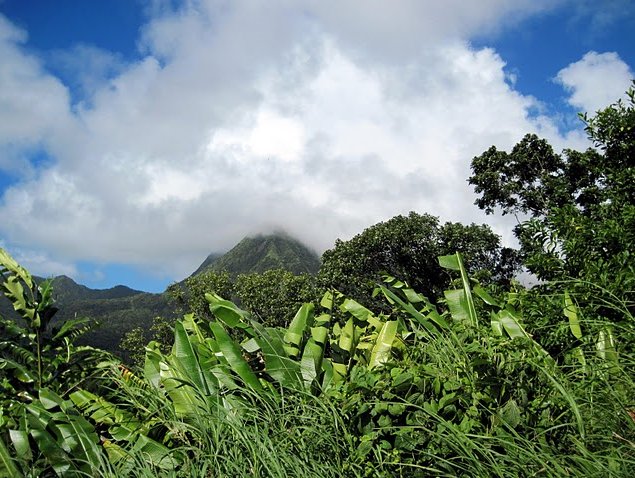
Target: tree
x=133, y=343
x=578, y=207
x=274, y=296
x=407, y=247
x=190, y=294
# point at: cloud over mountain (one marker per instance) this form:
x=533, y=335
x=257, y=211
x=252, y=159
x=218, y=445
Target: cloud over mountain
x=317, y=117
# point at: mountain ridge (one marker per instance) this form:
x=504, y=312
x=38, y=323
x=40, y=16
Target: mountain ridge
x=119, y=309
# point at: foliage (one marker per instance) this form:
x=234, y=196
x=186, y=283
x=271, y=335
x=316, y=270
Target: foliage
x=407, y=247
x=274, y=296
x=487, y=400
x=39, y=362
x=346, y=392
x=190, y=294
x=34, y=355
x=262, y=253
x=134, y=342
x=475, y=381
x=580, y=205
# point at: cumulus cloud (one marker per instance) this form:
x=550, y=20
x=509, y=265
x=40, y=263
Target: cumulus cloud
x=33, y=104
x=597, y=80
x=247, y=116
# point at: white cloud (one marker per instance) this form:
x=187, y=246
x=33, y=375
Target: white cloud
x=41, y=262
x=595, y=81
x=33, y=104
x=251, y=116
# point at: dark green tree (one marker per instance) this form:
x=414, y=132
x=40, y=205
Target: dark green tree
x=133, y=343
x=577, y=209
x=274, y=296
x=189, y=295
x=407, y=247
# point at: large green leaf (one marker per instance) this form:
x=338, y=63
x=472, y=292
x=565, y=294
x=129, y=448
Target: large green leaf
x=457, y=303
x=347, y=337
x=381, y=352
x=605, y=345
x=311, y=362
x=340, y=371
x=278, y=364
x=455, y=262
x=229, y=313
x=295, y=332
x=432, y=320
x=571, y=312
x=156, y=453
x=231, y=352
x=485, y=296
x=509, y=321
x=328, y=300
x=7, y=466
x=357, y=310
x=184, y=353
x=20, y=441
x=152, y=367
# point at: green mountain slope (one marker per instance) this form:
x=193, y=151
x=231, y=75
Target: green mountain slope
x=116, y=316
x=66, y=290
x=120, y=309
x=264, y=252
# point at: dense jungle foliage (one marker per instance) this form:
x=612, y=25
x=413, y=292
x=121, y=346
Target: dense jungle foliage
x=477, y=376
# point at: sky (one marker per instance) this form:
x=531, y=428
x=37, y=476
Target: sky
x=138, y=136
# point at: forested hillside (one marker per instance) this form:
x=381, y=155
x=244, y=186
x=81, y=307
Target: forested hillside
x=262, y=253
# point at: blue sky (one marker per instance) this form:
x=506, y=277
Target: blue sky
x=138, y=136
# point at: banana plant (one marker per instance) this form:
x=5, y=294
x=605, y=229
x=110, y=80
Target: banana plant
x=605, y=344
x=505, y=320
x=40, y=430
x=52, y=434
x=312, y=352
x=36, y=355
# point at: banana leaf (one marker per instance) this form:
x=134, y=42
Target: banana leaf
x=571, y=312
x=357, y=310
x=311, y=362
x=229, y=313
x=347, y=337
x=278, y=365
x=231, y=352
x=293, y=337
x=383, y=344
x=7, y=464
x=463, y=303
x=188, y=361
x=433, y=321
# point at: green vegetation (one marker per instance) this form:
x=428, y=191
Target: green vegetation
x=476, y=377
x=407, y=247
x=262, y=253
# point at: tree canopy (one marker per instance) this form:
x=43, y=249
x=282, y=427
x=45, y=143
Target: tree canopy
x=578, y=207
x=407, y=247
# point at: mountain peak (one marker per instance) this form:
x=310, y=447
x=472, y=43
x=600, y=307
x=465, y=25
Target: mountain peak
x=263, y=252
x=65, y=288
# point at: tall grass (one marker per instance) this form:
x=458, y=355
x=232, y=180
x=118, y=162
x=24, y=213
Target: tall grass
x=277, y=435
